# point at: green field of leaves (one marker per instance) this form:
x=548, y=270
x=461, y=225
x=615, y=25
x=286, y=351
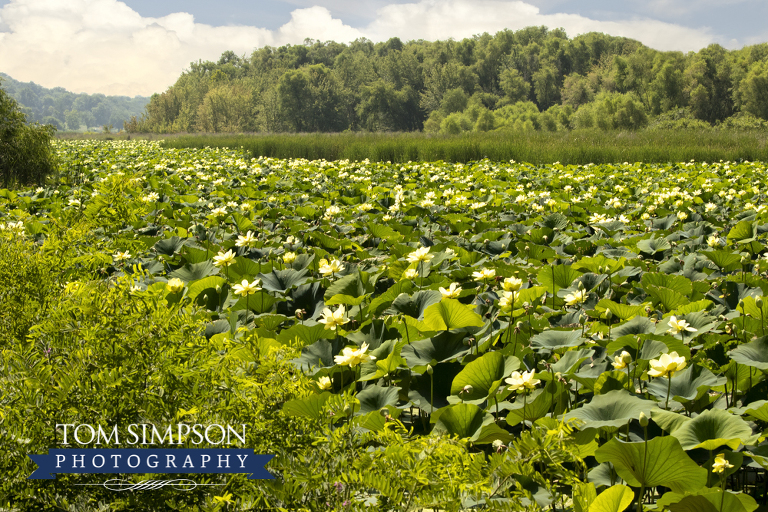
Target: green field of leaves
x=495, y=335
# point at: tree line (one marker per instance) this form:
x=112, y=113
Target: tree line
x=530, y=79
x=66, y=110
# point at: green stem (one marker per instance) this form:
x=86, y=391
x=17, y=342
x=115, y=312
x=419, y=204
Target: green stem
x=669, y=389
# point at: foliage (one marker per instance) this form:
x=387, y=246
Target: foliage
x=569, y=147
x=26, y=156
x=446, y=86
x=592, y=336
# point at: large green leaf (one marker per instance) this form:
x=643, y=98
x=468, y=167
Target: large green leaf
x=373, y=398
x=754, y=353
x=553, y=278
x=653, y=245
x=690, y=384
x=307, y=407
x=443, y=347
x=283, y=280
x=463, y=420
x=415, y=305
x=611, y=410
x=614, y=499
x=484, y=375
x=450, y=314
x=680, y=284
x=666, y=297
x=557, y=340
x=726, y=261
x=620, y=311
x=712, y=429
x=211, y=283
x=707, y=500
x=742, y=232
x=194, y=271
x=660, y=461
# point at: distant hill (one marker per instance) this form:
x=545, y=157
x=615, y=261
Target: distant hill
x=71, y=111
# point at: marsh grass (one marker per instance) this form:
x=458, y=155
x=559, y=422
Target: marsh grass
x=574, y=147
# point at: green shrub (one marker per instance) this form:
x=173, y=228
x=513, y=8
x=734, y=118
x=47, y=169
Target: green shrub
x=26, y=155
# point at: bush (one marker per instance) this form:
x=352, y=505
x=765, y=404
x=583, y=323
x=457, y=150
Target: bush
x=26, y=155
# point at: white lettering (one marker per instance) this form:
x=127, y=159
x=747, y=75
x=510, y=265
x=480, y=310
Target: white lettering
x=223, y=434
x=81, y=461
x=90, y=428
x=93, y=461
x=132, y=431
x=232, y=431
x=226, y=460
x=107, y=439
x=138, y=461
x=152, y=463
x=60, y=459
x=65, y=425
x=197, y=433
x=205, y=458
x=170, y=460
x=115, y=458
x=242, y=460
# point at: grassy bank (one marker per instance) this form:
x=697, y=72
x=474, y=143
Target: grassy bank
x=576, y=147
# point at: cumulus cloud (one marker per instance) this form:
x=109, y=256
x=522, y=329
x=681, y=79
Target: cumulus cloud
x=105, y=46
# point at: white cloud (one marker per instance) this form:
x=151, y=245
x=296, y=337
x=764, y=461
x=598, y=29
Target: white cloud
x=105, y=46
x=440, y=19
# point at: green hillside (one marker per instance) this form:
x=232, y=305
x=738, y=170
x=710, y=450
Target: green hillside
x=71, y=111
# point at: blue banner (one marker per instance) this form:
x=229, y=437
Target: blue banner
x=181, y=460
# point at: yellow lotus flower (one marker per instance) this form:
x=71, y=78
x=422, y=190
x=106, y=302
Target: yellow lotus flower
x=677, y=326
x=175, y=285
x=420, y=255
x=512, y=284
x=577, y=297
x=246, y=240
x=484, y=274
x=333, y=318
x=224, y=259
x=507, y=300
x=327, y=268
x=526, y=380
x=452, y=292
x=353, y=357
x=721, y=464
x=289, y=257
x=120, y=256
x=411, y=273
x=666, y=365
x=622, y=360
x=324, y=383
x=245, y=288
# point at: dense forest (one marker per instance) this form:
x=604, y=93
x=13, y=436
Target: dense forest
x=71, y=111
x=530, y=79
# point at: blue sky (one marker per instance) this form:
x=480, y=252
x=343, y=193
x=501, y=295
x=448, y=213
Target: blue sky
x=138, y=47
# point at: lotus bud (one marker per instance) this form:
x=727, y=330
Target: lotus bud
x=744, y=260
x=519, y=326
x=467, y=389
x=643, y=420
x=600, y=269
x=759, y=302
x=608, y=314
x=347, y=410
x=581, y=285
x=582, y=319
x=384, y=412
x=741, y=305
x=430, y=371
x=299, y=314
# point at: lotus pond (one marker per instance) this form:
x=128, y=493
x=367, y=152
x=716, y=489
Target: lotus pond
x=493, y=335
